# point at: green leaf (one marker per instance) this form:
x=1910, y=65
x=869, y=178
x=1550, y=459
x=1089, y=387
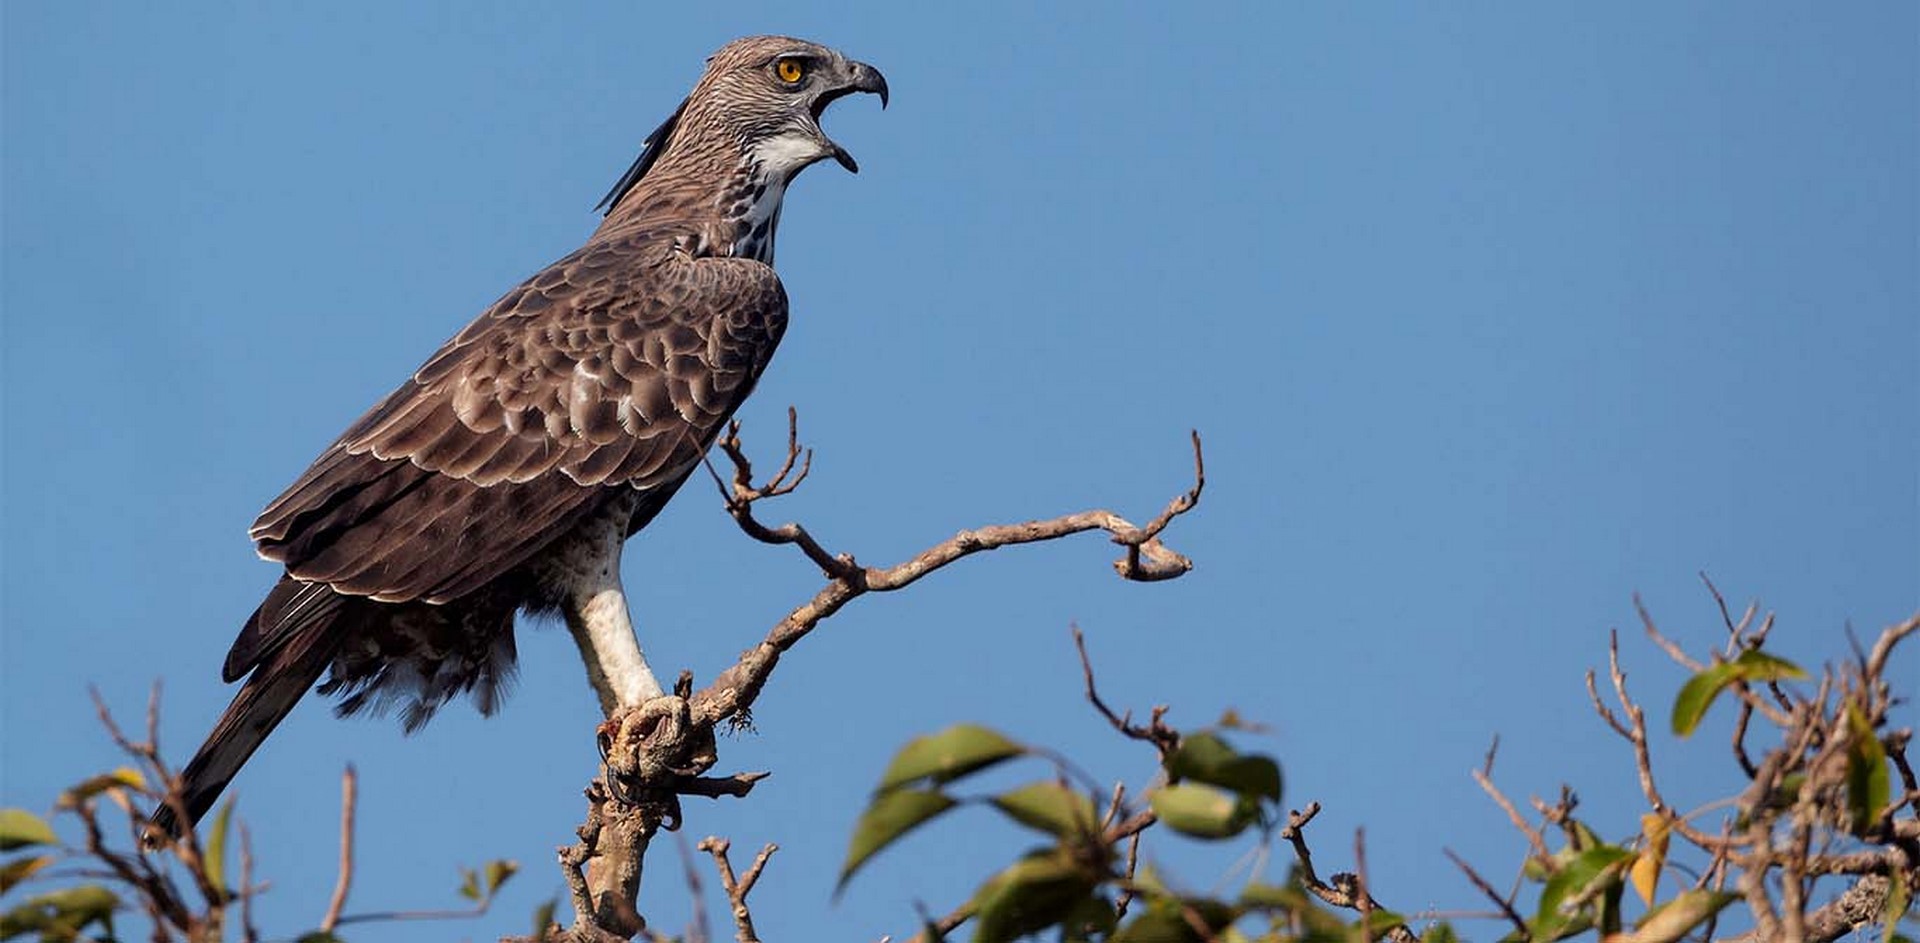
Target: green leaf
x=216, y=857
x=1700, y=690
x=1198, y=753
x=319, y=936
x=1157, y=925
x=1580, y=838
x=1206, y=758
x=1676, y=918
x=1165, y=920
x=1756, y=665
x=1585, y=877
x=1049, y=807
x=1036, y=892
x=22, y=920
x=948, y=755
x=1897, y=904
x=1608, y=906
x=1342, y=932
x=1784, y=794
x=891, y=815
x=1869, y=788
x=1215, y=914
x=470, y=885
x=1441, y=932
x=498, y=871
x=61, y=914
x=1695, y=696
x=1092, y=918
x=1271, y=897
x=20, y=869
x=1203, y=811
x=1380, y=921
x=543, y=918
x=123, y=778
x=22, y=829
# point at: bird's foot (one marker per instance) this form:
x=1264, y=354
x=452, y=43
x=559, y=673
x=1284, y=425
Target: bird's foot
x=654, y=746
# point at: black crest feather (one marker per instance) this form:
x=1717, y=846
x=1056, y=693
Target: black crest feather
x=650, y=151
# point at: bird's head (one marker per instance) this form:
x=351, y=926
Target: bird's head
x=760, y=101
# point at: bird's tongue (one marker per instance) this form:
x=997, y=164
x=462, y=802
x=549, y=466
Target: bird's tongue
x=846, y=160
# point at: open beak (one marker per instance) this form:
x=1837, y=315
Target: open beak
x=860, y=78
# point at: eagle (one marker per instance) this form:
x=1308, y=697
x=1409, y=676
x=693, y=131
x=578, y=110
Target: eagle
x=505, y=475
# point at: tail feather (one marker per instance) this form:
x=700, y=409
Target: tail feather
x=277, y=683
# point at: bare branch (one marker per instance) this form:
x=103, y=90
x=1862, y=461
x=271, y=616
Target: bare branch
x=737, y=889
x=1736, y=631
x=713, y=787
x=1163, y=737
x=1534, y=838
x=1862, y=905
x=250, y=933
x=1125, y=898
x=1884, y=645
x=1513, y=916
x=697, y=929
x=1346, y=891
x=1740, y=722
x=1673, y=650
x=349, y=780
x=1637, y=733
x=1896, y=744
x=1363, y=895
x=737, y=687
x=946, y=924
x=656, y=752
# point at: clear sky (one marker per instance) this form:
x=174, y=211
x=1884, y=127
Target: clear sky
x=1491, y=315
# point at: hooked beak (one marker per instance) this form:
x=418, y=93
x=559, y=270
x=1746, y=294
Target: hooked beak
x=860, y=78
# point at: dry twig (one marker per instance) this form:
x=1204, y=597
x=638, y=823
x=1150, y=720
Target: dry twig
x=657, y=752
x=738, y=888
x=348, y=783
x=1506, y=906
x=1347, y=891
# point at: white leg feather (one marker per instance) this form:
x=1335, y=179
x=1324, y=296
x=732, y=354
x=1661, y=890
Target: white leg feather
x=596, y=614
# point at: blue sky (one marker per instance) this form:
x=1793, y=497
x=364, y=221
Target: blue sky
x=1491, y=316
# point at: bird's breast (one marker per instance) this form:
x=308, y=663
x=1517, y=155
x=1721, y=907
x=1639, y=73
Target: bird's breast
x=590, y=553
x=754, y=215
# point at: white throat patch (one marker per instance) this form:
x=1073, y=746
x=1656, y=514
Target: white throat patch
x=783, y=156
x=775, y=161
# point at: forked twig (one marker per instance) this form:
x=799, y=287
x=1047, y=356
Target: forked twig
x=737, y=888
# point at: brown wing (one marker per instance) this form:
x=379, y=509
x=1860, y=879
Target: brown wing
x=616, y=366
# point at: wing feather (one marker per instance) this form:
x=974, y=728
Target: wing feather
x=613, y=368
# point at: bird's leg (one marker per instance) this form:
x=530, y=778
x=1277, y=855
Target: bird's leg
x=596, y=614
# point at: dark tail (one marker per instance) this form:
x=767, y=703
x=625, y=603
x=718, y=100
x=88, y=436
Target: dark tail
x=277, y=683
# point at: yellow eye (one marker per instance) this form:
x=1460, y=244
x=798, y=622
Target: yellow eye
x=790, y=71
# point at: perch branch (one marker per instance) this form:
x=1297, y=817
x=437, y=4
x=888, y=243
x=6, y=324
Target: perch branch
x=655, y=752
x=736, y=688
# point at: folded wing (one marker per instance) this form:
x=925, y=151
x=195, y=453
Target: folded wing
x=613, y=368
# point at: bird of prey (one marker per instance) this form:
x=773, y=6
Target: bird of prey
x=505, y=474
